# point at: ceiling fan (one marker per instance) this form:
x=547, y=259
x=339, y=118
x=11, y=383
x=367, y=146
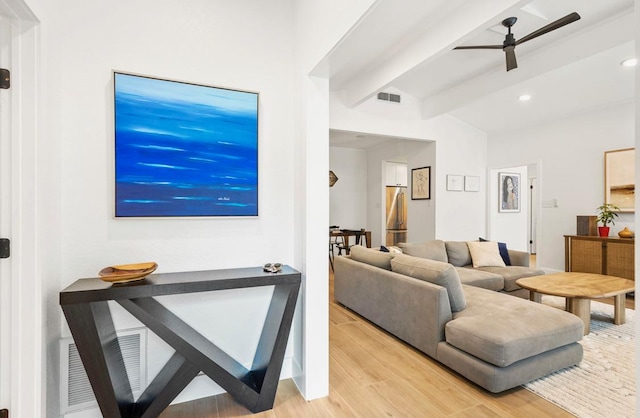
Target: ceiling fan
x=510, y=42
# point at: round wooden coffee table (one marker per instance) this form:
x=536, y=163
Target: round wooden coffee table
x=579, y=289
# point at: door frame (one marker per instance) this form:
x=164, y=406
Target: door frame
x=24, y=379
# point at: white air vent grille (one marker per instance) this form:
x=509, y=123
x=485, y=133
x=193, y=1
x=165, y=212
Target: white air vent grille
x=389, y=97
x=75, y=389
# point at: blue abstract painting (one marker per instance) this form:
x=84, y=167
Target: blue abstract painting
x=184, y=149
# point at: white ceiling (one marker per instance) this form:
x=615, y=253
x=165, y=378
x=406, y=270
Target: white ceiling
x=408, y=46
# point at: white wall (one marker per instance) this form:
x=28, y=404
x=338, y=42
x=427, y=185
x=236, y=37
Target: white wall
x=570, y=153
x=348, y=197
x=460, y=150
x=457, y=148
x=82, y=44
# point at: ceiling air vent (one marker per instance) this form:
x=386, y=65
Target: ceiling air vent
x=389, y=97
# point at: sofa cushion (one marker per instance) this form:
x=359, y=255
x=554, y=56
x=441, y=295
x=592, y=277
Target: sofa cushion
x=373, y=257
x=502, y=330
x=458, y=253
x=479, y=278
x=485, y=254
x=442, y=274
x=512, y=273
x=433, y=250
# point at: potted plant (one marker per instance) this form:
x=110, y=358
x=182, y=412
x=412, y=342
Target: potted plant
x=606, y=215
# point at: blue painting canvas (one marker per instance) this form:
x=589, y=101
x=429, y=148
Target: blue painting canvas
x=184, y=149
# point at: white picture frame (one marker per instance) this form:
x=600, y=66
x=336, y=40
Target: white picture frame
x=455, y=183
x=471, y=183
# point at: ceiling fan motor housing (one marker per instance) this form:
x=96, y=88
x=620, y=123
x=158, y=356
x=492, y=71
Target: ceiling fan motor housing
x=509, y=40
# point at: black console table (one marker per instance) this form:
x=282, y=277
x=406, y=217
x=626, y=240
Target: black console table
x=85, y=307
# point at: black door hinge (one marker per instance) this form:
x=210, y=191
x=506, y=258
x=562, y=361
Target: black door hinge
x=5, y=252
x=5, y=83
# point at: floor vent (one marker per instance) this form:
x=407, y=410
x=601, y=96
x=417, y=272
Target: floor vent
x=75, y=389
x=389, y=97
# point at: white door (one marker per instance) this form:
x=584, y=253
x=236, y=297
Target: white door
x=5, y=225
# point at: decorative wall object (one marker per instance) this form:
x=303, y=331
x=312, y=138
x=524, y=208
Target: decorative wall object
x=455, y=182
x=184, y=150
x=332, y=178
x=509, y=191
x=619, y=178
x=471, y=183
x=421, y=183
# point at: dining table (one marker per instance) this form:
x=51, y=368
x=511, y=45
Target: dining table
x=346, y=233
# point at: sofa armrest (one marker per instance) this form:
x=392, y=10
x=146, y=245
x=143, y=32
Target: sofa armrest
x=415, y=311
x=519, y=258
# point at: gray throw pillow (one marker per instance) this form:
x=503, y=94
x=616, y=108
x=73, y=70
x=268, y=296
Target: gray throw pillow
x=435, y=272
x=373, y=257
x=433, y=250
x=458, y=253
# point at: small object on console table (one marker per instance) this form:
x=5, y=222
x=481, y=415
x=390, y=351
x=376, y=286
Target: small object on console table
x=626, y=233
x=125, y=273
x=85, y=306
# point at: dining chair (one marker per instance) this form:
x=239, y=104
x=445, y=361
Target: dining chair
x=333, y=243
x=360, y=237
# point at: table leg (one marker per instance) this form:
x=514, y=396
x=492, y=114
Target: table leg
x=582, y=309
x=619, y=309
x=535, y=296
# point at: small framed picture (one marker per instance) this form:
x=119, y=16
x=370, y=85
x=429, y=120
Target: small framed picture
x=471, y=183
x=509, y=191
x=455, y=182
x=421, y=183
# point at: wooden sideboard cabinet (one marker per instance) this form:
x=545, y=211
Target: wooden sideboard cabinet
x=590, y=254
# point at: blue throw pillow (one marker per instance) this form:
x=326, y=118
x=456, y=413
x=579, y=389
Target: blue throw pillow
x=504, y=253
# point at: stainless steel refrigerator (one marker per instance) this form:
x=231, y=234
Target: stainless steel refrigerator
x=396, y=215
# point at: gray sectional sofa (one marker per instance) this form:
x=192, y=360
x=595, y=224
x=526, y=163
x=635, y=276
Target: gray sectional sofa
x=472, y=326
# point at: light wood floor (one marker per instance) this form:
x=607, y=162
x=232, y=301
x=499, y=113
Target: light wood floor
x=373, y=374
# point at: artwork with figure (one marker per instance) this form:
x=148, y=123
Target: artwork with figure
x=421, y=183
x=509, y=186
x=619, y=178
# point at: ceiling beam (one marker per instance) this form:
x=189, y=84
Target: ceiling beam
x=433, y=42
x=590, y=41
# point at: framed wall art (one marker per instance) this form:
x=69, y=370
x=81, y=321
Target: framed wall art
x=184, y=150
x=619, y=178
x=455, y=182
x=471, y=183
x=421, y=183
x=509, y=192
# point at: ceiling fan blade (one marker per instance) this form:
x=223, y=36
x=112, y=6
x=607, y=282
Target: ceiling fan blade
x=510, y=53
x=570, y=18
x=479, y=47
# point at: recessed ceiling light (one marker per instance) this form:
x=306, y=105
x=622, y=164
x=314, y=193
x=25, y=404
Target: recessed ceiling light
x=629, y=62
x=524, y=97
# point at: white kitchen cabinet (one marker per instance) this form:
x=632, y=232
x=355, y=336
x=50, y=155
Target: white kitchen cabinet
x=396, y=174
